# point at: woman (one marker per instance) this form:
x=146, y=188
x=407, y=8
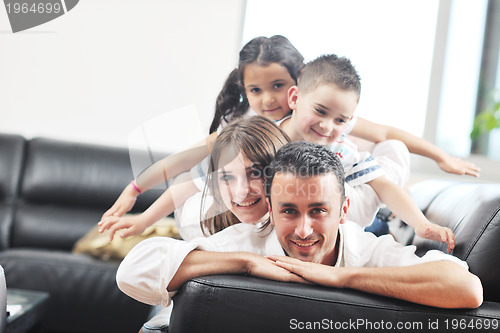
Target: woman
x=234, y=192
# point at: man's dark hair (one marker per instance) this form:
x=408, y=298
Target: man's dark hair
x=305, y=159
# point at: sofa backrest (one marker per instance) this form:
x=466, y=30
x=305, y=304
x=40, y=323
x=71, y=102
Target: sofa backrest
x=65, y=188
x=472, y=211
x=3, y=301
x=11, y=160
x=12, y=150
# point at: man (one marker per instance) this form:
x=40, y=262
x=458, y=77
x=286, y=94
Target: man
x=311, y=242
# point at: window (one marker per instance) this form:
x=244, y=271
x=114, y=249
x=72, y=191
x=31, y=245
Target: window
x=389, y=41
x=419, y=61
x=463, y=48
x=489, y=87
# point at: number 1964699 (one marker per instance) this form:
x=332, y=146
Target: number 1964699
x=34, y=8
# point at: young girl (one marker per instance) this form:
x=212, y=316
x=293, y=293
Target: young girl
x=268, y=67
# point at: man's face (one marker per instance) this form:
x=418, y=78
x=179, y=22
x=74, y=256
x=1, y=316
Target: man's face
x=321, y=115
x=306, y=213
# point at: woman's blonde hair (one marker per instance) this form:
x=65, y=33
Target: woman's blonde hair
x=258, y=139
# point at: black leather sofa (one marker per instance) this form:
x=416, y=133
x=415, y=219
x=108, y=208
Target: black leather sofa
x=51, y=194
x=227, y=303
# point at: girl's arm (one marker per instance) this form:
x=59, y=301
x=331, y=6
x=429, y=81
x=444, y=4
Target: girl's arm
x=403, y=206
x=160, y=172
x=376, y=133
x=175, y=164
x=173, y=197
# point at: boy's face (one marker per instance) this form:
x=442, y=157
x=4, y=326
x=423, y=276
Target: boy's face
x=321, y=115
x=306, y=213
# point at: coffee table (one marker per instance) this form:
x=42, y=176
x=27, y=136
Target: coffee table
x=27, y=308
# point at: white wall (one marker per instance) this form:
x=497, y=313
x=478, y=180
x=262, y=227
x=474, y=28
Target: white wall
x=108, y=66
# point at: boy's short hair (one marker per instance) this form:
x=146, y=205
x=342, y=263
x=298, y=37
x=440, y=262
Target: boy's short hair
x=330, y=69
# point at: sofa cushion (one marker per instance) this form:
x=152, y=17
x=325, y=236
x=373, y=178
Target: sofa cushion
x=66, y=187
x=74, y=173
x=51, y=226
x=78, y=285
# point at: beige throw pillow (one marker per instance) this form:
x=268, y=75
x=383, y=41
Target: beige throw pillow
x=99, y=246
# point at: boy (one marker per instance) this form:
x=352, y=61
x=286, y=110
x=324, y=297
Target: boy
x=323, y=103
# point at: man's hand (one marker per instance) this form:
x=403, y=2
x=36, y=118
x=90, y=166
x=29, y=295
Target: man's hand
x=200, y=263
x=268, y=269
x=309, y=272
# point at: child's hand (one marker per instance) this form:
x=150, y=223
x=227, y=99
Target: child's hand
x=134, y=225
x=437, y=233
x=123, y=204
x=458, y=166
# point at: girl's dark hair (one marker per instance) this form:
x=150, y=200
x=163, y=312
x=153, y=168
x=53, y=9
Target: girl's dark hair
x=258, y=139
x=232, y=101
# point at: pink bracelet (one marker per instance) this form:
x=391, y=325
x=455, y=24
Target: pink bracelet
x=134, y=185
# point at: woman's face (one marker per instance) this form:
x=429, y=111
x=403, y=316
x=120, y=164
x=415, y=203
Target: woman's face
x=242, y=188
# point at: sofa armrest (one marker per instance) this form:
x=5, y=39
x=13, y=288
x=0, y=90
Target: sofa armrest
x=472, y=211
x=229, y=303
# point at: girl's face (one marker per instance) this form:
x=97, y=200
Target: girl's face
x=266, y=88
x=242, y=189
x=321, y=115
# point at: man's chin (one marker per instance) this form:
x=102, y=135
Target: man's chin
x=305, y=257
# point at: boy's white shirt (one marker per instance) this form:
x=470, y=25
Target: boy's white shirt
x=147, y=270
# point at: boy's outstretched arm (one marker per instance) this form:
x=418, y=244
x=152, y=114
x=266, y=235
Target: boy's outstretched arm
x=403, y=206
x=163, y=206
x=376, y=133
x=159, y=173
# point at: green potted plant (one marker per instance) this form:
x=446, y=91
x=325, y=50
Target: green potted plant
x=487, y=120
